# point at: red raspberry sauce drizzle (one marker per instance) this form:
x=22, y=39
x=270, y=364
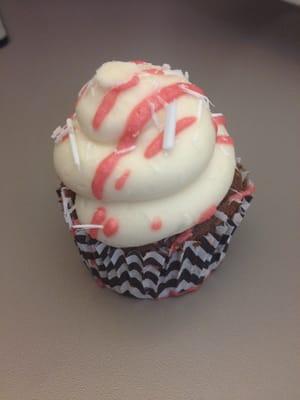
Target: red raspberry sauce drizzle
x=111, y=227
x=120, y=182
x=222, y=139
x=156, y=224
x=98, y=219
x=156, y=145
x=136, y=121
x=111, y=96
x=154, y=71
x=109, y=100
x=218, y=120
x=103, y=171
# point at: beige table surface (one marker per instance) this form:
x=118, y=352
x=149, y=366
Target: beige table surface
x=237, y=338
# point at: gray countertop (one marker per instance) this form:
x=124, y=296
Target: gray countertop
x=238, y=336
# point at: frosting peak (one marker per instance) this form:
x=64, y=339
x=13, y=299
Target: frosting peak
x=115, y=73
x=153, y=169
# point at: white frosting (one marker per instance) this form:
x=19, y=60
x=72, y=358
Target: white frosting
x=176, y=187
x=115, y=73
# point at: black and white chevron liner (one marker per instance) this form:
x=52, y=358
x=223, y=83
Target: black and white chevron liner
x=157, y=274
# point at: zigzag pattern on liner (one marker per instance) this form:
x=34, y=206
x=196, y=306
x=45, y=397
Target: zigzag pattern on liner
x=157, y=274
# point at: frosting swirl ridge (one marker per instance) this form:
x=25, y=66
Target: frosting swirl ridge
x=128, y=180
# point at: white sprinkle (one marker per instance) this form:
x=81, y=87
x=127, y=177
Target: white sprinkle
x=72, y=209
x=59, y=133
x=200, y=108
x=191, y=92
x=65, y=202
x=208, y=102
x=170, y=126
x=175, y=72
x=244, y=174
x=93, y=83
x=56, y=133
x=67, y=211
x=196, y=94
x=83, y=89
x=166, y=66
x=217, y=114
x=73, y=143
x=88, y=226
x=126, y=150
x=154, y=115
x=186, y=75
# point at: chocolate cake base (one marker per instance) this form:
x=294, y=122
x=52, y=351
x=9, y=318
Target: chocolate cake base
x=169, y=267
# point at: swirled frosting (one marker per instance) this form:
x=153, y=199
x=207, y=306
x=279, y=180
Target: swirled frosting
x=130, y=191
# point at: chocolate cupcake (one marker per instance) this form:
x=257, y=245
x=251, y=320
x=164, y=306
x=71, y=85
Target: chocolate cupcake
x=151, y=191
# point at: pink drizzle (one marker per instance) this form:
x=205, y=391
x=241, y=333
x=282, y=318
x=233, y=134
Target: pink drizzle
x=136, y=121
x=120, y=182
x=109, y=100
x=239, y=196
x=111, y=227
x=103, y=171
x=218, y=120
x=222, y=139
x=98, y=219
x=82, y=93
x=141, y=113
x=156, y=224
x=156, y=145
x=154, y=71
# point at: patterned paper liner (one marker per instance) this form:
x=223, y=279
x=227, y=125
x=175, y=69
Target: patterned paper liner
x=157, y=274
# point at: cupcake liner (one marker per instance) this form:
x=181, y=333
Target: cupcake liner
x=156, y=274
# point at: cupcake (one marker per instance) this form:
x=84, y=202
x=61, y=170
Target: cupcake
x=151, y=189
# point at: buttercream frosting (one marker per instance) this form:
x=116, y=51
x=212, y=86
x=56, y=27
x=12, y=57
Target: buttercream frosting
x=112, y=154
